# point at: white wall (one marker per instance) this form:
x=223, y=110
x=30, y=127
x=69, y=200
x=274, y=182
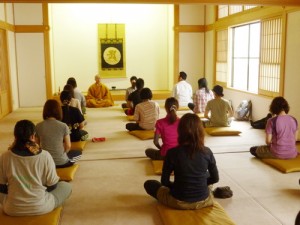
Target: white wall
x=30, y=56
x=74, y=43
x=191, y=45
x=31, y=69
x=191, y=57
x=292, y=67
x=13, y=71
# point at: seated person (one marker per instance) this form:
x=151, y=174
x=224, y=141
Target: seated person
x=194, y=168
x=73, y=118
x=74, y=101
x=166, y=129
x=201, y=97
x=98, y=95
x=219, y=108
x=146, y=113
x=29, y=184
x=54, y=136
x=134, y=98
x=77, y=94
x=183, y=91
x=281, y=133
x=129, y=90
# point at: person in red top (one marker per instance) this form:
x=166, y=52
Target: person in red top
x=166, y=129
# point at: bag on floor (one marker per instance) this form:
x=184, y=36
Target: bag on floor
x=243, y=111
x=261, y=124
x=222, y=192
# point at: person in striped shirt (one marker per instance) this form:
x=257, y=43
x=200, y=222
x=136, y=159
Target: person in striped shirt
x=201, y=97
x=146, y=113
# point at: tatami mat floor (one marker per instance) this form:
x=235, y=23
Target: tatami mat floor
x=108, y=186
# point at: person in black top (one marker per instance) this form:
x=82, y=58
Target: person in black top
x=73, y=118
x=134, y=98
x=194, y=168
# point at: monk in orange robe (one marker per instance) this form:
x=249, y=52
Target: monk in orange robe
x=98, y=95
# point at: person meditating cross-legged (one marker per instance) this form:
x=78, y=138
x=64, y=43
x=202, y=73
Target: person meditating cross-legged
x=281, y=133
x=219, y=109
x=29, y=184
x=194, y=168
x=98, y=95
x=146, y=113
x=166, y=130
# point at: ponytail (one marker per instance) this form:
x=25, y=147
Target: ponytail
x=171, y=106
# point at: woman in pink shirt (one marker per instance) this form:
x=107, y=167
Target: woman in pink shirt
x=281, y=133
x=166, y=129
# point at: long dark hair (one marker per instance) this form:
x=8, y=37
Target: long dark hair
x=191, y=133
x=69, y=87
x=65, y=98
x=171, y=106
x=202, y=83
x=23, y=131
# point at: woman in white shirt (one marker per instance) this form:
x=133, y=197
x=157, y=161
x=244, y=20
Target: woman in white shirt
x=29, y=184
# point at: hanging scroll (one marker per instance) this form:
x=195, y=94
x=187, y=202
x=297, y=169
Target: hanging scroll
x=111, y=39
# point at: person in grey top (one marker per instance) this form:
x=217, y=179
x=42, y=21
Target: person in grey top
x=54, y=136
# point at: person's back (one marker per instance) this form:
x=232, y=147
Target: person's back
x=183, y=91
x=73, y=101
x=194, y=168
x=219, y=112
x=281, y=133
x=51, y=133
x=166, y=130
x=72, y=117
x=77, y=94
x=219, y=109
x=186, y=187
x=29, y=184
x=202, y=97
x=134, y=98
x=283, y=128
x=23, y=199
x=146, y=113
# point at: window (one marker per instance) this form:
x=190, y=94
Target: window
x=227, y=10
x=222, y=49
x=245, y=57
x=249, y=57
x=270, y=59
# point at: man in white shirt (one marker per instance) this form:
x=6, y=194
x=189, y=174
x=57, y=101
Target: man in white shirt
x=183, y=91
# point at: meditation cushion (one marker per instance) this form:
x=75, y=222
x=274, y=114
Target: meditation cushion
x=213, y=215
x=143, y=134
x=222, y=131
x=78, y=145
x=130, y=118
x=157, y=166
x=67, y=174
x=51, y=218
x=284, y=165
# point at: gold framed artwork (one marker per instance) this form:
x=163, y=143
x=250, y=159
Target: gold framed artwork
x=111, y=50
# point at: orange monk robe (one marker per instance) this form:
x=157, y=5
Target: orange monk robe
x=99, y=96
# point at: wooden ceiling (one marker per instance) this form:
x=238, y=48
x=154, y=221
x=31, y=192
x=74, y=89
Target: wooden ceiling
x=214, y=2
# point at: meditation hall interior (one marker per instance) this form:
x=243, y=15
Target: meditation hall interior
x=250, y=48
